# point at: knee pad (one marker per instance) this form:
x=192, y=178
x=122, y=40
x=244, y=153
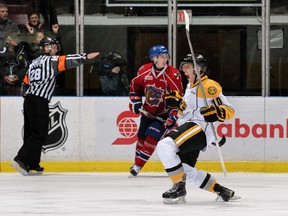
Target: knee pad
x=167, y=152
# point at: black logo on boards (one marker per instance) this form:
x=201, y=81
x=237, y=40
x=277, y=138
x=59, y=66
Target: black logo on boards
x=57, y=131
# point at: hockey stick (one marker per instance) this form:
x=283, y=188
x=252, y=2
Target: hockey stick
x=155, y=117
x=202, y=90
x=150, y=115
x=221, y=142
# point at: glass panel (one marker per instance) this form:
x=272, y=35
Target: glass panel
x=232, y=50
x=207, y=3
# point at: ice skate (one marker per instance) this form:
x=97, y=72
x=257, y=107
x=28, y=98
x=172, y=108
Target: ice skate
x=134, y=170
x=176, y=194
x=20, y=167
x=36, y=171
x=225, y=194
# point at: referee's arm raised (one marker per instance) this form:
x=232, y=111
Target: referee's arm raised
x=69, y=61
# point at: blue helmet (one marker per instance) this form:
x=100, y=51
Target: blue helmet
x=155, y=51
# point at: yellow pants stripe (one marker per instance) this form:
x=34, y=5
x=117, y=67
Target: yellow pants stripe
x=187, y=135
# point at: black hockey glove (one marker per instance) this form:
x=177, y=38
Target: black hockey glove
x=174, y=100
x=212, y=114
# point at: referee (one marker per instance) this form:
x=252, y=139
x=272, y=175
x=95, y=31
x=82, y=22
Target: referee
x=40, y=82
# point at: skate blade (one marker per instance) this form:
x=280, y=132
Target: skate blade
x=34, y=172
x=235, y=197
x=132, y=176
x=17, y=167
x=175, y=200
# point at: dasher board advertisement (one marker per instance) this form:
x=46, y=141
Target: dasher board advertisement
x=104, y=129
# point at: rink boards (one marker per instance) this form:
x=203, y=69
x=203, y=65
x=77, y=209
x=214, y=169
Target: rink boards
x=99, y=134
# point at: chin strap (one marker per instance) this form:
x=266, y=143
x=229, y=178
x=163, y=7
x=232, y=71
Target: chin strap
x=157, y=69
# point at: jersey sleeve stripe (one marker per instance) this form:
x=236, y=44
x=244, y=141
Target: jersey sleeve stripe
x=26, y=80
x=61, y=63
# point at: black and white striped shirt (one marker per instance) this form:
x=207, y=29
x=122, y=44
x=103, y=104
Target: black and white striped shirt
x=42, y=71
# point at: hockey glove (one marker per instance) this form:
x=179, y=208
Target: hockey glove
x=135, y=102
x=212, y=114
x=174, y=99
x=172, y=119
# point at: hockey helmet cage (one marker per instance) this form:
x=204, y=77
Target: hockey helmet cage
x=157, y=50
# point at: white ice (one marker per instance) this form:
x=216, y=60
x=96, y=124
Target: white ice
x=108, y=194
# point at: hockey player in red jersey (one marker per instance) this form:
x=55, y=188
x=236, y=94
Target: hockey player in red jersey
x=152, y=82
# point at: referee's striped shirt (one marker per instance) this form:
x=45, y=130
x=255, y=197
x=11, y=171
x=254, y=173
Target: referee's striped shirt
x=42, y=71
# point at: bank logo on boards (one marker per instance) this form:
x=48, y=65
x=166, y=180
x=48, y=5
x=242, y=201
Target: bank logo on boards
x=240, y=129
x=235, y=128
x=127, y=127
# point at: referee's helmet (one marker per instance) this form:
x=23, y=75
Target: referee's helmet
x=48, y=41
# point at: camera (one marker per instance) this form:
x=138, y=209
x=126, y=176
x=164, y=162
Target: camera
x=107, y=63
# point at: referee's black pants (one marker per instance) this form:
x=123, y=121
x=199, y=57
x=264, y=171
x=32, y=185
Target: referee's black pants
x=36, y=120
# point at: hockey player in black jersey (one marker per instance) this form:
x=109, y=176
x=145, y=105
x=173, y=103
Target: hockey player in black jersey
x=40, y=80
x=180, y=149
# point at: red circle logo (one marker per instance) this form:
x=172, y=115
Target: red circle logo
x=127, y=127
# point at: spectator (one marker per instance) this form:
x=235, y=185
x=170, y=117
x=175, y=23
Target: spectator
x=34, y=25
x=113, y=75
x=7, y=26
x=13, y=66
x=35, y=50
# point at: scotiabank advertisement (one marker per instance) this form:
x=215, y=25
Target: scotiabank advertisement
x=103, y=129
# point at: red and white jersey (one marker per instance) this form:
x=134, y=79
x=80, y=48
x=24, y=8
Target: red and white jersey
x=153, y=86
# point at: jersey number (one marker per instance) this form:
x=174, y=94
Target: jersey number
x=217, y=101
x=35, y=74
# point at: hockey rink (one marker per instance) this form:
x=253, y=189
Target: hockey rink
x=114, y=194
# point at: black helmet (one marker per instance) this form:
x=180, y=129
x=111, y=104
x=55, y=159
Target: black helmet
x=200, y=60
x=48, y=41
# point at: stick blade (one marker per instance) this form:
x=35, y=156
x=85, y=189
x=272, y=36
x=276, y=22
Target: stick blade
x=186, y=15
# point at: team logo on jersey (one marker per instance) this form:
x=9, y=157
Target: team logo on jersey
x=154, y=95
x=212, y=90
x=57, y=131
x=127, y=127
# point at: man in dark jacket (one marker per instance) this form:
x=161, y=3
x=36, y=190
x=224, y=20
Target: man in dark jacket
x=113, y=75
x=7, y=26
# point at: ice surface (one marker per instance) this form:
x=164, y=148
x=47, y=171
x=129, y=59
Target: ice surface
x=115, y=194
